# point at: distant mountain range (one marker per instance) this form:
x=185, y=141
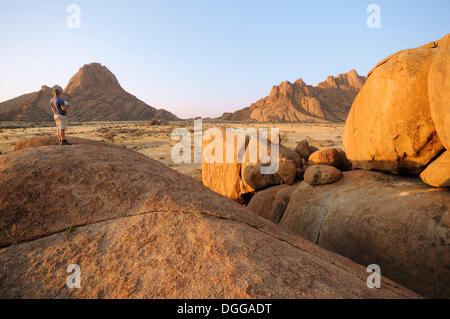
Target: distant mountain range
x=330, y=100
x=94, y=94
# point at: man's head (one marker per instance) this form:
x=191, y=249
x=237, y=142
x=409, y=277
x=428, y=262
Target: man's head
x=57, y=91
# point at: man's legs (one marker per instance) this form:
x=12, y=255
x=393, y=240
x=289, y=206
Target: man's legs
x=62, y=123
x=58, y=127
x=63, y=138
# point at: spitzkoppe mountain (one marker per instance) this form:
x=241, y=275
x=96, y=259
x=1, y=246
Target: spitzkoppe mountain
x=94, y=95
x=298, y=102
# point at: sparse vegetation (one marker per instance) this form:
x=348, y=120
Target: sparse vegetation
x=154, y=140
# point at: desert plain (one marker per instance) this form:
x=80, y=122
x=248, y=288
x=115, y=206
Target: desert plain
x=155, y=141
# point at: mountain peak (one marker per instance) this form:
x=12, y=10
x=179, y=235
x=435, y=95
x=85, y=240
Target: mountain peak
x=284, y=89
x=298, y=102
x=94, y=95
x=355, y=80
x=345, y=80
x=299, y=82
x=92, y=77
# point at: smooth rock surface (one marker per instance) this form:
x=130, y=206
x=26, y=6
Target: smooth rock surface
x=330, y=156
x=439, y=90
x=37, y=141
x=142, y=230
x=437, y=174
x=287, y=171
x=234, y=180
x=389, y=127
x=303, y=149
x=321, y=175
x=272, y=202
x=373, y=218
x=253, y=178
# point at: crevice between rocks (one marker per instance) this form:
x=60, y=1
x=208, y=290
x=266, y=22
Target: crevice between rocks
x=320, y=227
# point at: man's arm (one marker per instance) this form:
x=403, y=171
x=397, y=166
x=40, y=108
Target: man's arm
x=65, y=106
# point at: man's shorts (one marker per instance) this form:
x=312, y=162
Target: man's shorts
x=62, y=122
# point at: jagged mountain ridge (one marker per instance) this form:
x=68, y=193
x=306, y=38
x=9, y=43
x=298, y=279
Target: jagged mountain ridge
x=298, y=102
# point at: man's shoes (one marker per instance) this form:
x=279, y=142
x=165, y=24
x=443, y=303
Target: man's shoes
x=64, y=142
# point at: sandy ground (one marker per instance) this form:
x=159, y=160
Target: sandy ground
x=155, y=140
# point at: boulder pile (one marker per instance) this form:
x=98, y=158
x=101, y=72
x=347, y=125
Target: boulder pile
x=399, y=123
x=372, y=218
x=138, y=229
x=239, y=180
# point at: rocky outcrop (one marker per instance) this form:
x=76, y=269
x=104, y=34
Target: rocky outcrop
x=94, y=94
x=298, y=102
x=437, y=174
x=439, y=92
x=330, y=156
x=390, y=126
x=272, y=202
x=237, y=180
x=138, y=229
x=28, y=107
x=253, y=179
x=304, y=149
x=225, y=178
x=287, y=171
x=322, y=175
x=396, y=222
x=37, y=141
x=92, y=79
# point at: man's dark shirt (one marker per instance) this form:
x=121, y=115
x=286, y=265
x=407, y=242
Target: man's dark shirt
x=56, y=104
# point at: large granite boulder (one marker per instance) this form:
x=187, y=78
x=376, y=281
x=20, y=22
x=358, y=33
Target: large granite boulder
x=322, y=174
x=304, y=149
x=235, y=180
x=271, y=202
x=396, y=222
x=390, y=126
x=439, y=90
x=330, y=156
x=437, y=174
x=254, y=180
x=138, y=229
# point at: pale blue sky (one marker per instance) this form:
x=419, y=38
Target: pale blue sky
x=203, y=58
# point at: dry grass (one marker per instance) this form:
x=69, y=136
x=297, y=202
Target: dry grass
x=154, y=140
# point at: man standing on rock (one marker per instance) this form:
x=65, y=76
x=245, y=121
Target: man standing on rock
x=59, y=108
